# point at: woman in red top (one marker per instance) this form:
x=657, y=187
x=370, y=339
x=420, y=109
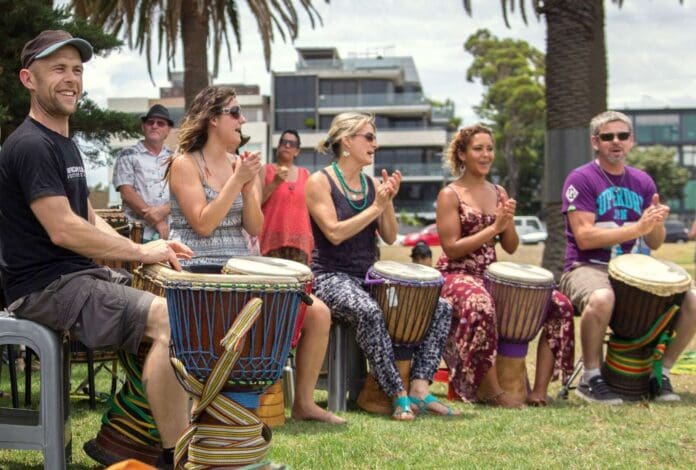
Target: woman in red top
x=287, y=234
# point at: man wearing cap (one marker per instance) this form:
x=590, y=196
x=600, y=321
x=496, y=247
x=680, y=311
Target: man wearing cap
x=50, y=234
x=139, y=175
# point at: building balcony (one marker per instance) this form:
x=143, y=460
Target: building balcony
x=413, y=170
x=369, y=100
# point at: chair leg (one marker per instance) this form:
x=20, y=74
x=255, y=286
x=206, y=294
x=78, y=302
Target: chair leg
x=563, y=393
x=114, y=376
x=337, y=368
x=27, y=376
x=13, y=375
x=90, y=379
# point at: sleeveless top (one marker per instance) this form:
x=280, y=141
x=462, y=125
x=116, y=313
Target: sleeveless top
x=285, y=215
x=226, y=241
x=472, y=221
x=355, y=255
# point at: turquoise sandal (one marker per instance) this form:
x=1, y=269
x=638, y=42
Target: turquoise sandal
x=402, y=406
x=423, y=403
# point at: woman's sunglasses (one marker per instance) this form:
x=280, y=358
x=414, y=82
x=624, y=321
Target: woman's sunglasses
x=369, y=136
x=234, y=111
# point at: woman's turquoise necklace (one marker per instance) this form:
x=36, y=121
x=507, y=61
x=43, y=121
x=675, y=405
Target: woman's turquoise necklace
x=347, y=190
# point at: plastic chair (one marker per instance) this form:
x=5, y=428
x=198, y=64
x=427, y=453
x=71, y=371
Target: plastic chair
x=48, y=428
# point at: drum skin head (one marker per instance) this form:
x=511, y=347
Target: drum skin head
x=165, y=276
x=406, y=271
x=267, y=266
x=659, y=277
x=525, y=273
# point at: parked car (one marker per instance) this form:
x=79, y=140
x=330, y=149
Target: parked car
x=676, y=231
x=530, y=229
x=428, y=235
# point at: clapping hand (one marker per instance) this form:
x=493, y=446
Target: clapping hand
x=654, y=215
x=504, y=213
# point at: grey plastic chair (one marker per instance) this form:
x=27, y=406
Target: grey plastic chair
x=48, y=428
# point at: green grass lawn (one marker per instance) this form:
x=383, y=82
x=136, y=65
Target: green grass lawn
x=566, y=434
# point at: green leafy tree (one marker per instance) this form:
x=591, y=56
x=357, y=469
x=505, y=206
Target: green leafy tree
x=512, y=73
x=198, y=23
x=20, y=22
x=659, y=162
x=576, y=90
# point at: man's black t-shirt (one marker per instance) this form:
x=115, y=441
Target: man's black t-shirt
x=36, y=162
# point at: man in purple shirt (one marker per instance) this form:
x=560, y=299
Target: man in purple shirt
x=612, y=209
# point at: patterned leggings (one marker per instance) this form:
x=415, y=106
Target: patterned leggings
x=350, y=303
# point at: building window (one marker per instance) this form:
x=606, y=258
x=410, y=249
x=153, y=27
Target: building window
x=657, y=128
x=689, y=155
x=417, y=197
x=295, y=92
x=689, y=127
x=299, y=120
x=368, y=86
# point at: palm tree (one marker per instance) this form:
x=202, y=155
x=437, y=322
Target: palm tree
x=576, y=90
x=198, y=23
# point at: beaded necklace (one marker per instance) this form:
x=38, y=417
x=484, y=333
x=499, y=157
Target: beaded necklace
x=347, y=189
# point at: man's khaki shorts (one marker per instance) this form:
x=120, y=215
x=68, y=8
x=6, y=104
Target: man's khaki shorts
x=95, y=305
x=581, y=281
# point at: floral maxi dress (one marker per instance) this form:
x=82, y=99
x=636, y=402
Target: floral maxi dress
x=473, y=339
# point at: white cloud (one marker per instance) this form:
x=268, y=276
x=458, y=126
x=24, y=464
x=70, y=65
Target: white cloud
x=649, y=44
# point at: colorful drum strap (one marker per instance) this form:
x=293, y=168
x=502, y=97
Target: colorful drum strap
x=240, y=438
x=129, y=411
x=618, y=361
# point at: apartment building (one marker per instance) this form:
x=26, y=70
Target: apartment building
x=674, y=128
x=412, y=131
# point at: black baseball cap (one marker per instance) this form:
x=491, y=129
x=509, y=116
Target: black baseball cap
x=49, y=41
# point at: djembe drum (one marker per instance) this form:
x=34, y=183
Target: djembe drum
x=408, y=294
x=271, y=408
x=648, y=295
x=522, y=294
x=205, y=312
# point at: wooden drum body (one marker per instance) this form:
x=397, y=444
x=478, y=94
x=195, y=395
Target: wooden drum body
x=407, y=294
x=271, y=408
x=648, y=294
x=522, y=294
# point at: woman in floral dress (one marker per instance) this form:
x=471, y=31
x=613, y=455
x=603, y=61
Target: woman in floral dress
x=472, y=214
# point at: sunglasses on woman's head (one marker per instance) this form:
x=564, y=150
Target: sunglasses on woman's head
x=234, y=111
x=609, y=136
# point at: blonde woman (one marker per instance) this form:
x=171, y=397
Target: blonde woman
x=347, y=211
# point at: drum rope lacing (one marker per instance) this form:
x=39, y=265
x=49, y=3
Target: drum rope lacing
x=241, y=438
x=619, y=362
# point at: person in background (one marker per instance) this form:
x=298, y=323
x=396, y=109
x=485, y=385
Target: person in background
x=472, y=215
x=50, y=233
x=348, y=210
x=139, y=175
x=421, y=254
x=609, y=207
x=214, y=196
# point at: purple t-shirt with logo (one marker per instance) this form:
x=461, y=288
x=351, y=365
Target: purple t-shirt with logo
x=588, y=189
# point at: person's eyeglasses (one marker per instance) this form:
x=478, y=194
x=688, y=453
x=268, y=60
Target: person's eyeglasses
x=369, y=136
x=289, y=143
x=156, y=123
x=609, y=136
x=234, y=111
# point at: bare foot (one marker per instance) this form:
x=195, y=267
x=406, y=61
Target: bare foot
x=538, y=399
x=315, y=413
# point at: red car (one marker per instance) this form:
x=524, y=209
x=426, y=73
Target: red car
x=428, y=235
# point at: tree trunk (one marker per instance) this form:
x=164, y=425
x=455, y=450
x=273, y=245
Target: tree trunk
x=194, y=36
x=569, y=41
x=598, y=62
